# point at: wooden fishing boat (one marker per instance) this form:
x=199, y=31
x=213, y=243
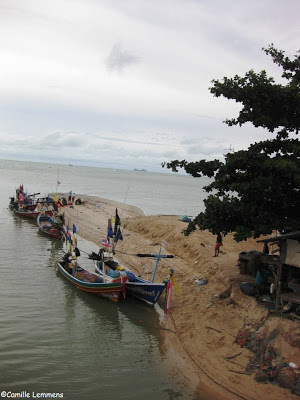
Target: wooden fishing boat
x=51, y=227
x=105, y=265
x=147, y=291
x=21, y=197
x=89, y=282
x=14, y=205
x=27, y=213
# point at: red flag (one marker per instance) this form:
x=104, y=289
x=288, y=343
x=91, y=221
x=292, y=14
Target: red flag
x=105, y=242
x=169, y=296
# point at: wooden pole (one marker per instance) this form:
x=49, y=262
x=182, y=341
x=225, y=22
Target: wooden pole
x=278, y=287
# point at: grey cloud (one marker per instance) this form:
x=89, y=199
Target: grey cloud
x=63, y=140
x=207, y=149
x=120, y=58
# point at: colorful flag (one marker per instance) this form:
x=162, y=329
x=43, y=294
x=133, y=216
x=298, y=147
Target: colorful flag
x=175, y=285
x=170, y=284
x=74, y=240
x=110, y=233
x=55, y=198
x=169, y=296
x=74, y=228
x=68, y=234
x=105, y=242
x=119, y=235
x=163, y=243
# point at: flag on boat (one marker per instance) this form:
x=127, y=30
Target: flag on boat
x=163, y=243
x=119, y=235
x=105, y=242
x=170, y=285
x=74, y=240
x=68, y=234
x=169, y=296
x=110, y=233
x=58, y=183
x=175, y=284
x=55, y=198
x=74, y=228
x=117, y=222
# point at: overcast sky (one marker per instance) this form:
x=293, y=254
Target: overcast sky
x=125, y=83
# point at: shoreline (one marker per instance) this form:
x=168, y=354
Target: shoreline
x=205, y=324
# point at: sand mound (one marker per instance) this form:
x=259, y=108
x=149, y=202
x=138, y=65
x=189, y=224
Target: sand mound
x=207, y=318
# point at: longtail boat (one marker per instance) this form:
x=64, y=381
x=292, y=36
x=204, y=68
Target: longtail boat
x=146, y=290
x=21, y=197
x=51, y=227
x=89, y=282
x=105, y=265
x=27, y=213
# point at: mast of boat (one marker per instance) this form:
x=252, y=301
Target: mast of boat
x=103, y=268
x=57, y=181
x=158, y=258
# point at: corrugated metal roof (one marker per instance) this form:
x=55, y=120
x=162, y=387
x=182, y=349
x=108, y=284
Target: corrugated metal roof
x=280, y=238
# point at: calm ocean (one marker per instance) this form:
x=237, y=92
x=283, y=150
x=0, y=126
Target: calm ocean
x=154, y=193
x=56, y=339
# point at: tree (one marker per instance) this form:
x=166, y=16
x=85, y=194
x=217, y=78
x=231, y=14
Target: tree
x=258, y=189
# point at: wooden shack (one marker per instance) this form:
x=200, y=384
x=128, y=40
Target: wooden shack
x=285, y=255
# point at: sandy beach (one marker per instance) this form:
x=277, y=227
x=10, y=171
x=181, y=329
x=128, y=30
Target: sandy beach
x=201, y=329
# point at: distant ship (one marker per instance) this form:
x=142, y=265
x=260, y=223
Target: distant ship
x=141, y=170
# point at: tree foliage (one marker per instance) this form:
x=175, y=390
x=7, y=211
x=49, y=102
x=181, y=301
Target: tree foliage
x=258, y=189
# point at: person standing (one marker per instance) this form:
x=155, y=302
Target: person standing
x=219, y=243
x=70, y=195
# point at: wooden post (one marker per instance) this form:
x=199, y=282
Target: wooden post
x=278, y=286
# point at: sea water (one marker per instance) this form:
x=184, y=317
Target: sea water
x=57, y=339
x=154, y=193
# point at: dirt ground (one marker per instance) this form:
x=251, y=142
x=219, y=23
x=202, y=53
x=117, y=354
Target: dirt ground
x=205, y=319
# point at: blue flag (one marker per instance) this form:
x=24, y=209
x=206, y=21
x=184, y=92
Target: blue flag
x=119, y=235
x=74, y=228
x=110, y=233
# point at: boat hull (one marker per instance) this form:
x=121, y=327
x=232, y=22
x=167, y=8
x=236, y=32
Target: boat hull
x=46, y=227
x=146, y=291
x=31, y=214
x=110, y=290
